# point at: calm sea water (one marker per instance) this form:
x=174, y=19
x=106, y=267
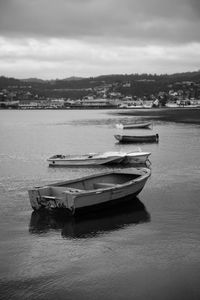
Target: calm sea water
x=146, y=250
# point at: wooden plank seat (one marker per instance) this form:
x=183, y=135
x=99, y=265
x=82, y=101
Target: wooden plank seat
x=102, y=185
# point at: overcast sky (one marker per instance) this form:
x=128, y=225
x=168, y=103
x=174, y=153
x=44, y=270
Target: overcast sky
x=57, y=39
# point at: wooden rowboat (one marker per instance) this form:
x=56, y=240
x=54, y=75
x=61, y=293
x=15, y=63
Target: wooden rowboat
x=137, y=138
x=90, y=191
x=134, y=125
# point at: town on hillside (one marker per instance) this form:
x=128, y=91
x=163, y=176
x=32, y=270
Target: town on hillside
x=110, y=91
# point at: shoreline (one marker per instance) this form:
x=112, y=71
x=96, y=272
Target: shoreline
x=178, y=115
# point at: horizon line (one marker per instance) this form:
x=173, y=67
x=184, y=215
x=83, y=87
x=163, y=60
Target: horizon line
x=102, y=75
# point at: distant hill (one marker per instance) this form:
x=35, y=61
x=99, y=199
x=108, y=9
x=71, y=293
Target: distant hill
x=5, y=82
x=73, y=78
x=38, y=80
x=187, y=76
x=140, y=84
x=29, y=80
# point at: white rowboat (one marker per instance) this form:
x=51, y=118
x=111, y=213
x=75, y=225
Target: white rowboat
x=90, y=159
x=112, y=157
x=134, y=125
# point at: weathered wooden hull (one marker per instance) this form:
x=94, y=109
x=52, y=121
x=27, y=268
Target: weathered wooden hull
x=71, y=195
x=137, y=139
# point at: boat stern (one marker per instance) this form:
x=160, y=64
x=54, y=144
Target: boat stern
x=34, y=198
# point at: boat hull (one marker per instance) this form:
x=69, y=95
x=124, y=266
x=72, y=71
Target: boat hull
x=135, y=125
x=137, y=139
x=83, y=161
x=102, y=193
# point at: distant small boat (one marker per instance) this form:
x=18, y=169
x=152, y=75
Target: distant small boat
x=91, y=191
x=134, y=125
x=137, y=139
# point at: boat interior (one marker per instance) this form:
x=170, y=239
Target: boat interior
x=93, y=183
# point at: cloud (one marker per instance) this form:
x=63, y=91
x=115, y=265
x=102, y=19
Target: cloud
x=51, y=58
x=91, y=37
x=174, y=21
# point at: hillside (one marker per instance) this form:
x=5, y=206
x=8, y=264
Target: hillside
x=138, y=84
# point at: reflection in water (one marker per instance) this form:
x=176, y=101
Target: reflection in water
x=90, y=224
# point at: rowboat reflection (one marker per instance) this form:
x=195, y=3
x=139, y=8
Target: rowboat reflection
x=92, y=224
